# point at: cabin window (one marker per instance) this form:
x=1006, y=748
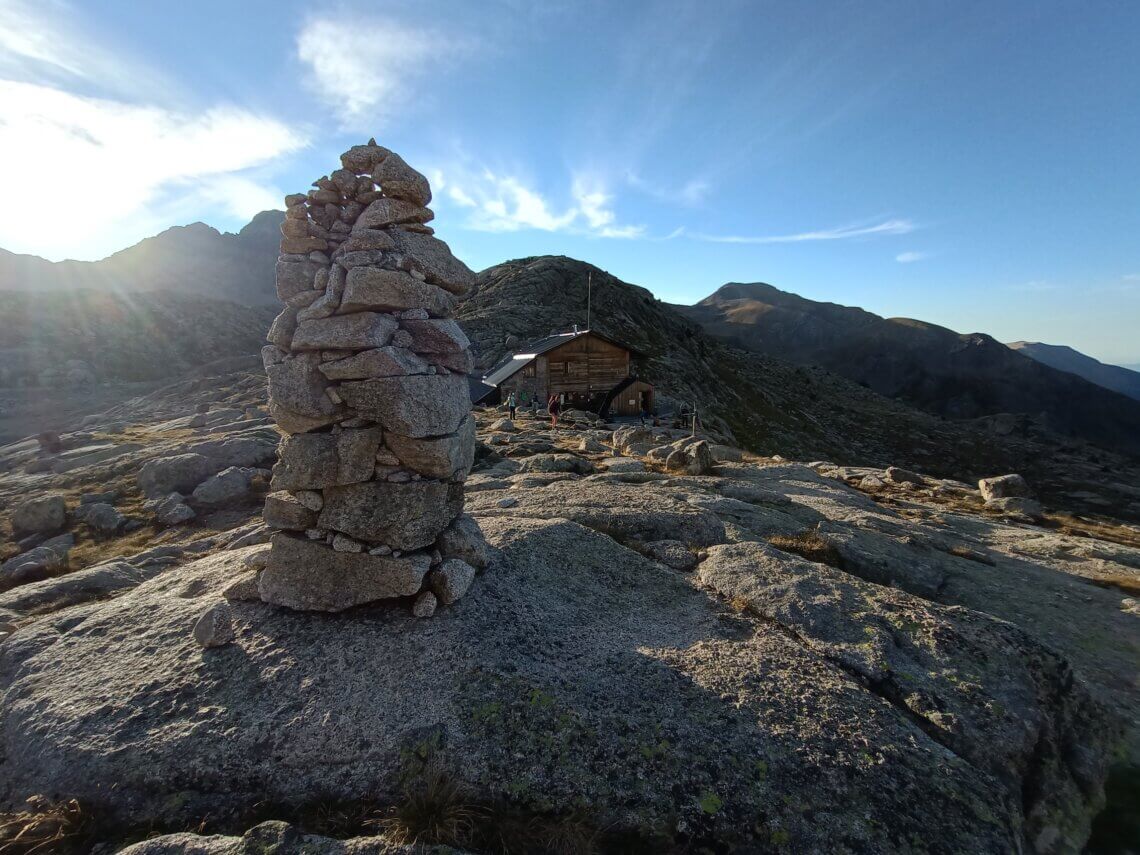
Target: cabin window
x=529, y=370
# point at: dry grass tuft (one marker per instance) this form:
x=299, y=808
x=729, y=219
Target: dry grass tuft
x=810, y=545
x=45, y=827
x=434, y=809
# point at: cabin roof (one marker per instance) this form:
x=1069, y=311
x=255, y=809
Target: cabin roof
x=526, y=355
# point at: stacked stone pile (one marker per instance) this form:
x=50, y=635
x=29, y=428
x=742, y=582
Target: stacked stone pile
x=367, y=376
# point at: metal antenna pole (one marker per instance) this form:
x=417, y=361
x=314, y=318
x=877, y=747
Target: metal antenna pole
x=589, y=295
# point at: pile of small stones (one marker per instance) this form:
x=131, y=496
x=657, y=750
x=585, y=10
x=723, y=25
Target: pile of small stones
x=368, y=378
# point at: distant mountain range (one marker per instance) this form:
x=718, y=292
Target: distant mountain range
x=931, y=367
x=231, y=277
x=1120, y=379
x=195, y=259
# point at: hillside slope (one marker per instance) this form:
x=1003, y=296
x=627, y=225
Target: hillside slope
x=1064, y=358
x=954, y=375
x=120, y=337
x=194, y=259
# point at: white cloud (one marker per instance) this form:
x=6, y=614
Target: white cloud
x=1131, y=277
x=367, y=70
x=98, y=149
x=691, y=193
x=114, y=171
x=887, y=227
x=505, y=203
x=910, y=257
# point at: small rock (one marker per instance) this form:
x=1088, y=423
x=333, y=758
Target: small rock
x=103, y=518
x=244, y=589
x=424, y=606
x=451, y=580
x=508, y=502
x=902, y=476
x=344, y=543
x=1003, y=487
x=311, y=499
x=215, y=627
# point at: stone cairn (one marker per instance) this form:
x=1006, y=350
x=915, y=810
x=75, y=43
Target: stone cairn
x=368, y=378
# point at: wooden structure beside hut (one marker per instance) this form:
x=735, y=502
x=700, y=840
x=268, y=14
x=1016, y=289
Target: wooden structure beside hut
x=594, y=373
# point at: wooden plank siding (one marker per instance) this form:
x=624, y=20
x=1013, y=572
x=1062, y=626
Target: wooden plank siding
x=584, y=369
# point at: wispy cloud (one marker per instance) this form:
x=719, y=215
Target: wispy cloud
x=367, y=70
x=505, y=203
x=142, y=159
x=851, y=232
x=690, y=193
x=1131, y=277
x=911, y=257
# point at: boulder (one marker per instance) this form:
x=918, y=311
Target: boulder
x=228, y=486
x=40, y=562
x=674, y=707
x=310, y=461
x=39, y=515
x=103, y=518
x=403, y=516
x=400, y=181
x=415, y=406
x=464, y=539
x=432, y=257
x=915, y=652
x=359, y=331
x=381, y=362
x=557, y=463
x=726, y=453
x=451, y=579
x=284, y=510
x=345, y=579
x=376, y=289
x=362, y=159
x=170, y=510
x=1004, y=487
x=625, y=437
x=503, y=426
x=436, y=336
x=295, y=277
x=388, y=212
x=448, y=457
x=215, y=627
x=176, y=473
x=280, y=335
x=297, y=399
x=690, y=457
x=621, y=464
x=424, y=605
x=895, y=475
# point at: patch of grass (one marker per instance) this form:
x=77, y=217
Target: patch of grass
x=46, y=827
x=810, y=545
x=433, y=809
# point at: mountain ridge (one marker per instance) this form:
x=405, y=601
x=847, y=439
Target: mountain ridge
x=954, y=375
x=1064, y=358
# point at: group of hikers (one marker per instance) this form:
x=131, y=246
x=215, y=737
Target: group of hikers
x=554, y=404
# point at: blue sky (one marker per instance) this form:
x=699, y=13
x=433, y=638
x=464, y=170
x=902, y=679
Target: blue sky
x=971, y=164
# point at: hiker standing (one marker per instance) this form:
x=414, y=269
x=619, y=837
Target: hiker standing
x=554, y=406
x=512, y=404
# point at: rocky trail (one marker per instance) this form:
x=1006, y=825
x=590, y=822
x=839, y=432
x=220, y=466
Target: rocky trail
x=674, y=640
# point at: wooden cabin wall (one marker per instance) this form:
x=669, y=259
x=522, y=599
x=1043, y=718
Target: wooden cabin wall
x=586, y=364
x=629, y=400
